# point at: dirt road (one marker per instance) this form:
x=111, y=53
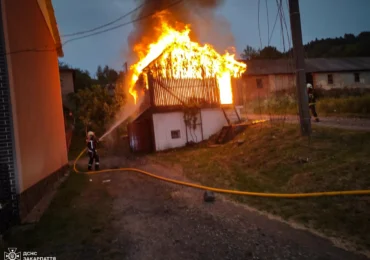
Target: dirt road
x=156, y=220
x=336, y=122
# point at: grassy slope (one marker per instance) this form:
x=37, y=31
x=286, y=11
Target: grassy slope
x=271, y=161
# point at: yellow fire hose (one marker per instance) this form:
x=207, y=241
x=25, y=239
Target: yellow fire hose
x=236, y=192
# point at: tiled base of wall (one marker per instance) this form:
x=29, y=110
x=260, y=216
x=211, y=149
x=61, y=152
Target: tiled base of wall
x=30, y=197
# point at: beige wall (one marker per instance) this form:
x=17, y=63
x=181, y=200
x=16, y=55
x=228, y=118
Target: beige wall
x=35, y=92
x=281, y=82
x=341, y=80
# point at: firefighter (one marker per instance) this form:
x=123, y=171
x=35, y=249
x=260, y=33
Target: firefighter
x=312, y=101
x=92, y=150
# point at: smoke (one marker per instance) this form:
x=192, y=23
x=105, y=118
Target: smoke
x=206, y=26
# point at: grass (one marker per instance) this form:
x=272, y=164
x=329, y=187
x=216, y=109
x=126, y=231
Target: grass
x=349, y=105
x=344, y=106
x=273, y=160
x=70, y=223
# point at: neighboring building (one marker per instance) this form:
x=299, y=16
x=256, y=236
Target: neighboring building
x=33, y=151
x=264, y=76
x=67, y=84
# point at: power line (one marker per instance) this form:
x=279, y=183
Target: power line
x=104, y=25
x=268, y=23
x=281, y=23
x=273, y=28
x=121, y=25
x=92, y=34
x=259, y=29
x=285, y=23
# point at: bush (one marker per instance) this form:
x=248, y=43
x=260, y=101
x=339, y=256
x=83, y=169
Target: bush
x=96, y=108
x=341, y=92
x=350, y=105
x=278, y=104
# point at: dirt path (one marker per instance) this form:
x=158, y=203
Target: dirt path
x=336, y=122
x=156, y=220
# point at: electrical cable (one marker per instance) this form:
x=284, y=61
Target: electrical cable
x=268, y=22
x=259, y=29
x=273, y=28
x=104, y=25
x=92, y=34
x=121, y=25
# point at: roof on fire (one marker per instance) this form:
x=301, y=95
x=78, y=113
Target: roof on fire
x=286, y=66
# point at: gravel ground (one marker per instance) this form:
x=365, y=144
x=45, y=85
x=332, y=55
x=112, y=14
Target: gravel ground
x=156, y=220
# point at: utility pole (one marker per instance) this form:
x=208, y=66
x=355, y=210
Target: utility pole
x=125, y=67
x=295, y=25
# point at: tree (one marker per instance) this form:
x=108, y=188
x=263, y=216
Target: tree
x=95, y=108
x=249, y=53
x=347, y=46
x=270, y=52
x=106, y=75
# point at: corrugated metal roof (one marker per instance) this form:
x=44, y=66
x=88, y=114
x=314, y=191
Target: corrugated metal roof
x=285, y=66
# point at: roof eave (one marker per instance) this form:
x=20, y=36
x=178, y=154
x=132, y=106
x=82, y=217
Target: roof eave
x=55, y=30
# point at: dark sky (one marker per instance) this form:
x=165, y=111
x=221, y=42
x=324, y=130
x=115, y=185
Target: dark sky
x=320, y=19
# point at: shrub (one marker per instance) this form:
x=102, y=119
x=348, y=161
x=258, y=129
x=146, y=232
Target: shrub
x=349, y=105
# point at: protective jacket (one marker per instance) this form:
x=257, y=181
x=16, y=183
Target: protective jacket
x=92, y=144
x=311, y=97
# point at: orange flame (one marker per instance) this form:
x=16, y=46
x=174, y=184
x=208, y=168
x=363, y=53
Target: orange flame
x=188, y=60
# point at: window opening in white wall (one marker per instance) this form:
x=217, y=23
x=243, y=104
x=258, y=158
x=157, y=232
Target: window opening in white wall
x=330, y=79
x=357, y=77
x=175, y=134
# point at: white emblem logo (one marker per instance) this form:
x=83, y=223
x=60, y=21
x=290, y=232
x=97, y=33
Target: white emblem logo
x=12, y=254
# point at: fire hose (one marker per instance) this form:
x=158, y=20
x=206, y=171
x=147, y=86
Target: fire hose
x=226, y=191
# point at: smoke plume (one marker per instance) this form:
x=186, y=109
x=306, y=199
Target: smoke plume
x=205, y=24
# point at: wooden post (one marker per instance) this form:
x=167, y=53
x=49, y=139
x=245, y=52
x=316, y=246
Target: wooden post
x=295, y=23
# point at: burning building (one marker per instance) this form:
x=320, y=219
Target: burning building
x=187, y=90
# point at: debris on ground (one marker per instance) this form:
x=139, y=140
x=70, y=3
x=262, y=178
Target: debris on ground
x=105, y=181
x=209, y=196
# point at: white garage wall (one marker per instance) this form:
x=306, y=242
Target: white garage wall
x=164, y=123
x=213, y=120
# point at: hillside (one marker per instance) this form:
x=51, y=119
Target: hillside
x=347, y=46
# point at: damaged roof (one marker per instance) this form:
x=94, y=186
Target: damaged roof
x=286, y=66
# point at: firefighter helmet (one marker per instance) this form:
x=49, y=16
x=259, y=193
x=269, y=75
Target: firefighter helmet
x=90, y=133
x=309, y=85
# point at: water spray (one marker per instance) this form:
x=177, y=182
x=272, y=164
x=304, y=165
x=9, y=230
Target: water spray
x=128, y=110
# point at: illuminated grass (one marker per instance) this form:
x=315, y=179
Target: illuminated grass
x=274, y=160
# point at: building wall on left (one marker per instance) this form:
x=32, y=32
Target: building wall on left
x=35, y=93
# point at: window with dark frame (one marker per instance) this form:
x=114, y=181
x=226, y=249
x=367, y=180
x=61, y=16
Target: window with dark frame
x=357, y=77
x=330, y=79
x=175, y=134
x=259, y=83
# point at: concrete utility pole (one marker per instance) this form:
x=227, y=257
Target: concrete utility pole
x=295, y=25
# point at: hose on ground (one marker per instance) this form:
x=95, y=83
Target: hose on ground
x=226, y=191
